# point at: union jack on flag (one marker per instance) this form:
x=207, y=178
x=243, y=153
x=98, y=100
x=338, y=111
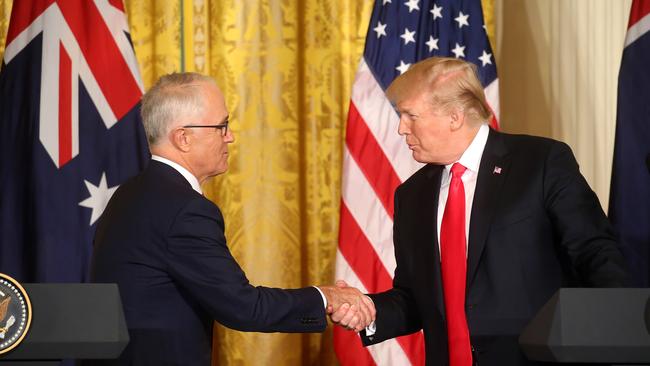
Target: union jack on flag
x=376, y=159
x=70, y=132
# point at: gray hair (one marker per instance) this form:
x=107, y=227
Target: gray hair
x=173, y=95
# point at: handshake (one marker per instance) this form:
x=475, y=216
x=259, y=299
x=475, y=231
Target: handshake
x=348, y=307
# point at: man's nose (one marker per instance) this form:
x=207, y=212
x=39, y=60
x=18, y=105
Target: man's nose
x=403, y=128
x=230, y=136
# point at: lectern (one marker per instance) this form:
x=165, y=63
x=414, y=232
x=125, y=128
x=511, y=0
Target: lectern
x=71, y=321
x=591, y=325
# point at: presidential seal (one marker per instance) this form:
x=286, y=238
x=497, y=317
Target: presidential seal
x=15, y=313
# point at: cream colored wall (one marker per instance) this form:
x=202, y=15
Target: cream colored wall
x=558, y=64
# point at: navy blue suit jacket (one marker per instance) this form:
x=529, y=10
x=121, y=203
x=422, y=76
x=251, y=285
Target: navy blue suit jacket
x=163, y=244
x=535, y=226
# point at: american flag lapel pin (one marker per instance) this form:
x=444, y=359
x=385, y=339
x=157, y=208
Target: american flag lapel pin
x=497, y=170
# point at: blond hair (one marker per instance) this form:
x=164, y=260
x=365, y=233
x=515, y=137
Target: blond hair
x=450, y=83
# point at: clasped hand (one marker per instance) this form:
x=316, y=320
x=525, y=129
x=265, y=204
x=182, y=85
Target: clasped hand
x=349, y=307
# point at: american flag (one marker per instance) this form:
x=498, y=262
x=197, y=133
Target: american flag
x=70, y=132
x=629, y=205
x=376, y=159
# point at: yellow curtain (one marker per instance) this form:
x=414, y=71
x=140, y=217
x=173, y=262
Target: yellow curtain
x=488, y=19
x=286, y=69
x=156, y=36
x=5, y=13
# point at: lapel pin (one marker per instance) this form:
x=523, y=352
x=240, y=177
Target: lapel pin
x=497, y=170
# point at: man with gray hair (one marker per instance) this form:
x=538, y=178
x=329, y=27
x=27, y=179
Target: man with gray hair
x=163, y=242
x=487, y=230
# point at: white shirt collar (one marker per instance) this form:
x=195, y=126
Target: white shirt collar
x=471, y=158
x=184, y=172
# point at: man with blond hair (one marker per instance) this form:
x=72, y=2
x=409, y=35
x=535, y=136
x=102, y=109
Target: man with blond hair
x=487, y=230
x=163, y=242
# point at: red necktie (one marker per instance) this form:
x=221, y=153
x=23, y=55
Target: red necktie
x=454, y=269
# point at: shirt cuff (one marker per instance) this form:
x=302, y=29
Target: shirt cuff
x=322, y=295
x=371, y=329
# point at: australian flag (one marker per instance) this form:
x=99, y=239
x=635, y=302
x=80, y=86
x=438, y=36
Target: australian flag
x=629, y=205
x=70, y=132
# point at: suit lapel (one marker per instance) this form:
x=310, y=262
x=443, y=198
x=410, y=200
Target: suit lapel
x=425, y=218
x=492, y=173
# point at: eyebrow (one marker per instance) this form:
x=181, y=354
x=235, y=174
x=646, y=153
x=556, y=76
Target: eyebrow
x=406, y=109
x=225, y=120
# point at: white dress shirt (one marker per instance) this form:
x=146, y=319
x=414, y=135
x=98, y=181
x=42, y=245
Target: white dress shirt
x=194, y=182
x=471, y=159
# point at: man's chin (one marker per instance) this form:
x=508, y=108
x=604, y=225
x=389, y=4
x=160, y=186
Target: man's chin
x=418, y=157
x=222, y=169
x=218, y=172
x=423, y=159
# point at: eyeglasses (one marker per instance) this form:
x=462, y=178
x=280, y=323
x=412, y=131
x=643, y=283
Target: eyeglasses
x=223, y=127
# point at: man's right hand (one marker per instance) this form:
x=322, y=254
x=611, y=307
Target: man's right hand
x=348, y=306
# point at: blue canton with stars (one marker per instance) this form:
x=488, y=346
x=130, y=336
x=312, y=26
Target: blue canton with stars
x=402, y=33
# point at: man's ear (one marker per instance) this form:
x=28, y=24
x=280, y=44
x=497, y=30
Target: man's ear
x=180, y=138
x=456, y=119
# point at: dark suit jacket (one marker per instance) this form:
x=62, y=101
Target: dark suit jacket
x=163, y=244
x=535, y=227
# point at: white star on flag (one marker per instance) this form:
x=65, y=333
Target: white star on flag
x=436, y=11
x=386, y=2
x=380, y=29
x=462, y=19
x=413, y=5
x=459, y=51
x=402, y=67
x=485, y=58
x=99, y=196
x=432, y=43
x=408, y=36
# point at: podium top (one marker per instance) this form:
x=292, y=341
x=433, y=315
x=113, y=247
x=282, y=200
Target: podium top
x=608, y=325
x=83, y=321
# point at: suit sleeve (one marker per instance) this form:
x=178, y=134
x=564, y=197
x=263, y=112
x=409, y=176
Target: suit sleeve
x=201, y=263
x=397, y=313
x=583, y=230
